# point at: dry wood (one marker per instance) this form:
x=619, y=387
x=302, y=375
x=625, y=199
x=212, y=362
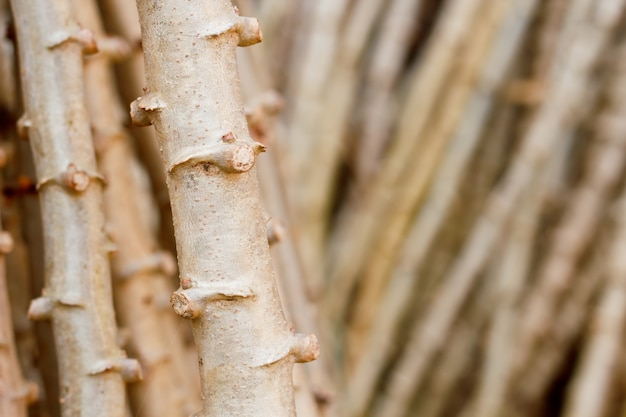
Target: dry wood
x=313, y=382
x=437, y=136
x=140, y=270
x=33, y=273
x=360, y=219
x=77, y=297
x=20, y=291
x=15, y=392
x=120, y=18
x=526, y=389
x=390, y=50
x=327, y=133
x=576, y=229
x=445, y=390
x=245, y=347
x=17, y=290
x=509, y=277
x=592, y=385
x=566, y=92
x=403, y=280
x=305, y=154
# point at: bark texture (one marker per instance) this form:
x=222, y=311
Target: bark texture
x=246, y=347
x=139, y=269
x=77, y=297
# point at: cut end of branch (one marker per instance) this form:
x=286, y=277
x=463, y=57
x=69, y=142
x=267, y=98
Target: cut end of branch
x=276, y=231
x=306, y=347
x=247, y=28
x=40, y=309
x=23, y=124
x=75, y=179
x=128, y=368
x=142, y=108
x=161, y=261
x=239, y=158
x=190, y=302
x=113, y=47
x=83, y=37
x=29, y=393
x=249, y=31
x=229, y=156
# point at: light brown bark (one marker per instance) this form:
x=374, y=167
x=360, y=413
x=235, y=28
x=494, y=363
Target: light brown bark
x=245, y=346
x=77, y=297
x=141, y=287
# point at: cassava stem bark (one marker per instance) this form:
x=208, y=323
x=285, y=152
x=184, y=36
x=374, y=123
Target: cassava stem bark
x=77, y=297
x=141, y=284
x=245, y=346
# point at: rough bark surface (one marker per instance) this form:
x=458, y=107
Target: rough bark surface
x=139, y=269
x=246, y=347
x=77, y=297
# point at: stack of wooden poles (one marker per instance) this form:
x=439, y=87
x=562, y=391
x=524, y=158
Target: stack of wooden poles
x=444, y=183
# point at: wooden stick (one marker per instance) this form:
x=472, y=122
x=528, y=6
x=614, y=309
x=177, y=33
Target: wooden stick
x=512, y=267
x=588, y=394
x=566, y=92
x=437, y=137
x=435, y=210
x=389, y=53
x=358, y=222
x=529, y=386
x=575, y=231
x=77, y=297
x=139, y=269
x=313, y=382
x=120, y=18
x=246, y=349
x=592, y=383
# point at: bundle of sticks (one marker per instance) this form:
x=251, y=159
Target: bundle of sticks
x=443, y=192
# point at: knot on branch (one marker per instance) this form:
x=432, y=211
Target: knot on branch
x=276, y=231
x=190, y=302
x=305, y=348
x=23, y=124
x=41, y=308
x=247, y=29
x=142, y=108
x=229, y=155
x=161, y=261
x=128, y=368
x=113, y=47
x=83, y=37
x=29, y=392
x=259, y=113
x=73, y=178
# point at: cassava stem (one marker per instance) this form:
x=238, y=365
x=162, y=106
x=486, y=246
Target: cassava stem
x=77, y=297
x=245, y=346
x=138, y=268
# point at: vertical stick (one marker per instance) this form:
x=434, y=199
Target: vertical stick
x=245, y=346
x=77, y=297
x=138, y=268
